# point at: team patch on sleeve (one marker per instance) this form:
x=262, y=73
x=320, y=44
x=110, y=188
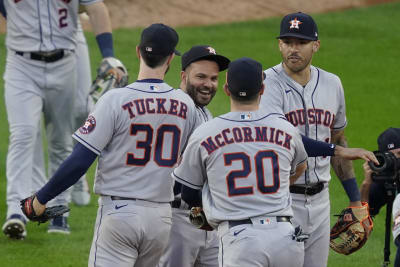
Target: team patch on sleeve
x=89, y=125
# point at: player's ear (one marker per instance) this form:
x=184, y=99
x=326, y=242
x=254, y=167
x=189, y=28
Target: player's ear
x=183, y=75
x=137, y=52
x=316, y=45
x=170, y=58
x=226, y=89
x=262, y=89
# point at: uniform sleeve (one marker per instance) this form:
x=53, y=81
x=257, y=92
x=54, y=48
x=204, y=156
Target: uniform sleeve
x=98, y=129
x=300, y=154
x=272, y=99
x=396, y=217
x=191, y=171
x=340, y=119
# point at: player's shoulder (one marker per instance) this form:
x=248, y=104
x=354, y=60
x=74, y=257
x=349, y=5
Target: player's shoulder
x=273, y=77
x=326, y=76
x=280, y=121
x=183, y=96
x=273, y=72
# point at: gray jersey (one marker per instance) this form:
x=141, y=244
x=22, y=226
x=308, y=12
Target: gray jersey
x=315, y=110
x=55, y=30
x=244, y=160
x=396, y=217
x=138, y=133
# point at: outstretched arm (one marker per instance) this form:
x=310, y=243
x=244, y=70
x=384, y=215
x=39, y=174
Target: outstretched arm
x=344, y=169
x=66, y=175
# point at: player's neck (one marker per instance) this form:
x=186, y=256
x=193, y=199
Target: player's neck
x=301, y=77
x=237, y=106
x=146, y=72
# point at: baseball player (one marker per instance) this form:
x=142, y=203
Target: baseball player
x=138, y=133
x=313, y=101
x=244, y=161
x=189, y=246
x=41, y=76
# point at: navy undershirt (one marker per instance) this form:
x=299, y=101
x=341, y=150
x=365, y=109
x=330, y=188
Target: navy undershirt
x=68, y=173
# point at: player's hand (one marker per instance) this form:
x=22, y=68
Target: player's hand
x=355, y=153
x=38, y=207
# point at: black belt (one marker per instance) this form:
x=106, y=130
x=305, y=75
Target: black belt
x=48, y=57
x=248, y=221
x=309, y=190
x=122, y=198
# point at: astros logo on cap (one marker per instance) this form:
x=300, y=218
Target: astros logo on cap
x=295, y=23
x=211, y=50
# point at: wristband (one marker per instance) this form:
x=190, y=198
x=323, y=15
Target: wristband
x=105, y=43
x=351, y=188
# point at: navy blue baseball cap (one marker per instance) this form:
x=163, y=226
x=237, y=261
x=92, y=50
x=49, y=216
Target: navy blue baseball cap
x=204, y=52
x=299, y=25
x=245, y=77
x=159, y=39
x=389, y=139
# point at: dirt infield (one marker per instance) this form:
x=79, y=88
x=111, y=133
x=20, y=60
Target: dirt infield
x=134, y=13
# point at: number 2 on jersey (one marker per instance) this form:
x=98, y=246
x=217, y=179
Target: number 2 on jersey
x=147, y=144
x=234, y=190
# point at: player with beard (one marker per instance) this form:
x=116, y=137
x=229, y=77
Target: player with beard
x=189, y=246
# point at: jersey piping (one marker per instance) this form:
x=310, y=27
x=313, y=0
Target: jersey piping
x=251, y=120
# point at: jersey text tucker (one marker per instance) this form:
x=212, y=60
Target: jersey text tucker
x=247, y=134
x=156, y=106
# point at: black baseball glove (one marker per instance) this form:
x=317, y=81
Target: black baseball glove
x=49, y=213
x=198, y=219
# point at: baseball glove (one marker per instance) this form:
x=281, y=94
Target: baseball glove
x=352, y=229
x=49, y=213
x=107, y=77
x=198, y=219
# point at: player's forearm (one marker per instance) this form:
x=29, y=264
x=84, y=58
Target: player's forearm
x=299, y=171
x=315, y=148
x=343, y=168
x=67, y=174
x=191, y=196
x=345, y=172
x=99, y=18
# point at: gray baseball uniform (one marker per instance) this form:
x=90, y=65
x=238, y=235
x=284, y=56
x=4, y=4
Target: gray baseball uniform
x=138, y=132
x=244, y=160
x=81, y=110
x=189, y=246
x=40, y=76
x=396, y=217
x=315, y=110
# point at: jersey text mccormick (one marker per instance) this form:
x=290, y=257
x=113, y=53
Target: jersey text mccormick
x=156, y=106
x=247, y=134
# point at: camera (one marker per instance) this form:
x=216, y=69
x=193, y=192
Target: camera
x=388, y=169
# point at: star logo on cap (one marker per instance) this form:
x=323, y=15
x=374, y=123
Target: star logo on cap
x=211, y=50
x=294, y=24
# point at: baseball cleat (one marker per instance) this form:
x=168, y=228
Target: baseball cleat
x=59, y=225
x=14, y=227
x=80, y=194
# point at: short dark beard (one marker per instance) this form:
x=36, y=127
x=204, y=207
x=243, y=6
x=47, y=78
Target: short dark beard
x=191, y=91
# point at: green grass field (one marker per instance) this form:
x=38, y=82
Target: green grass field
x=361, y=46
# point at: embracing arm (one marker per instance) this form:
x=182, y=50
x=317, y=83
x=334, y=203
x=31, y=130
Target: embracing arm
x=344, y=169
